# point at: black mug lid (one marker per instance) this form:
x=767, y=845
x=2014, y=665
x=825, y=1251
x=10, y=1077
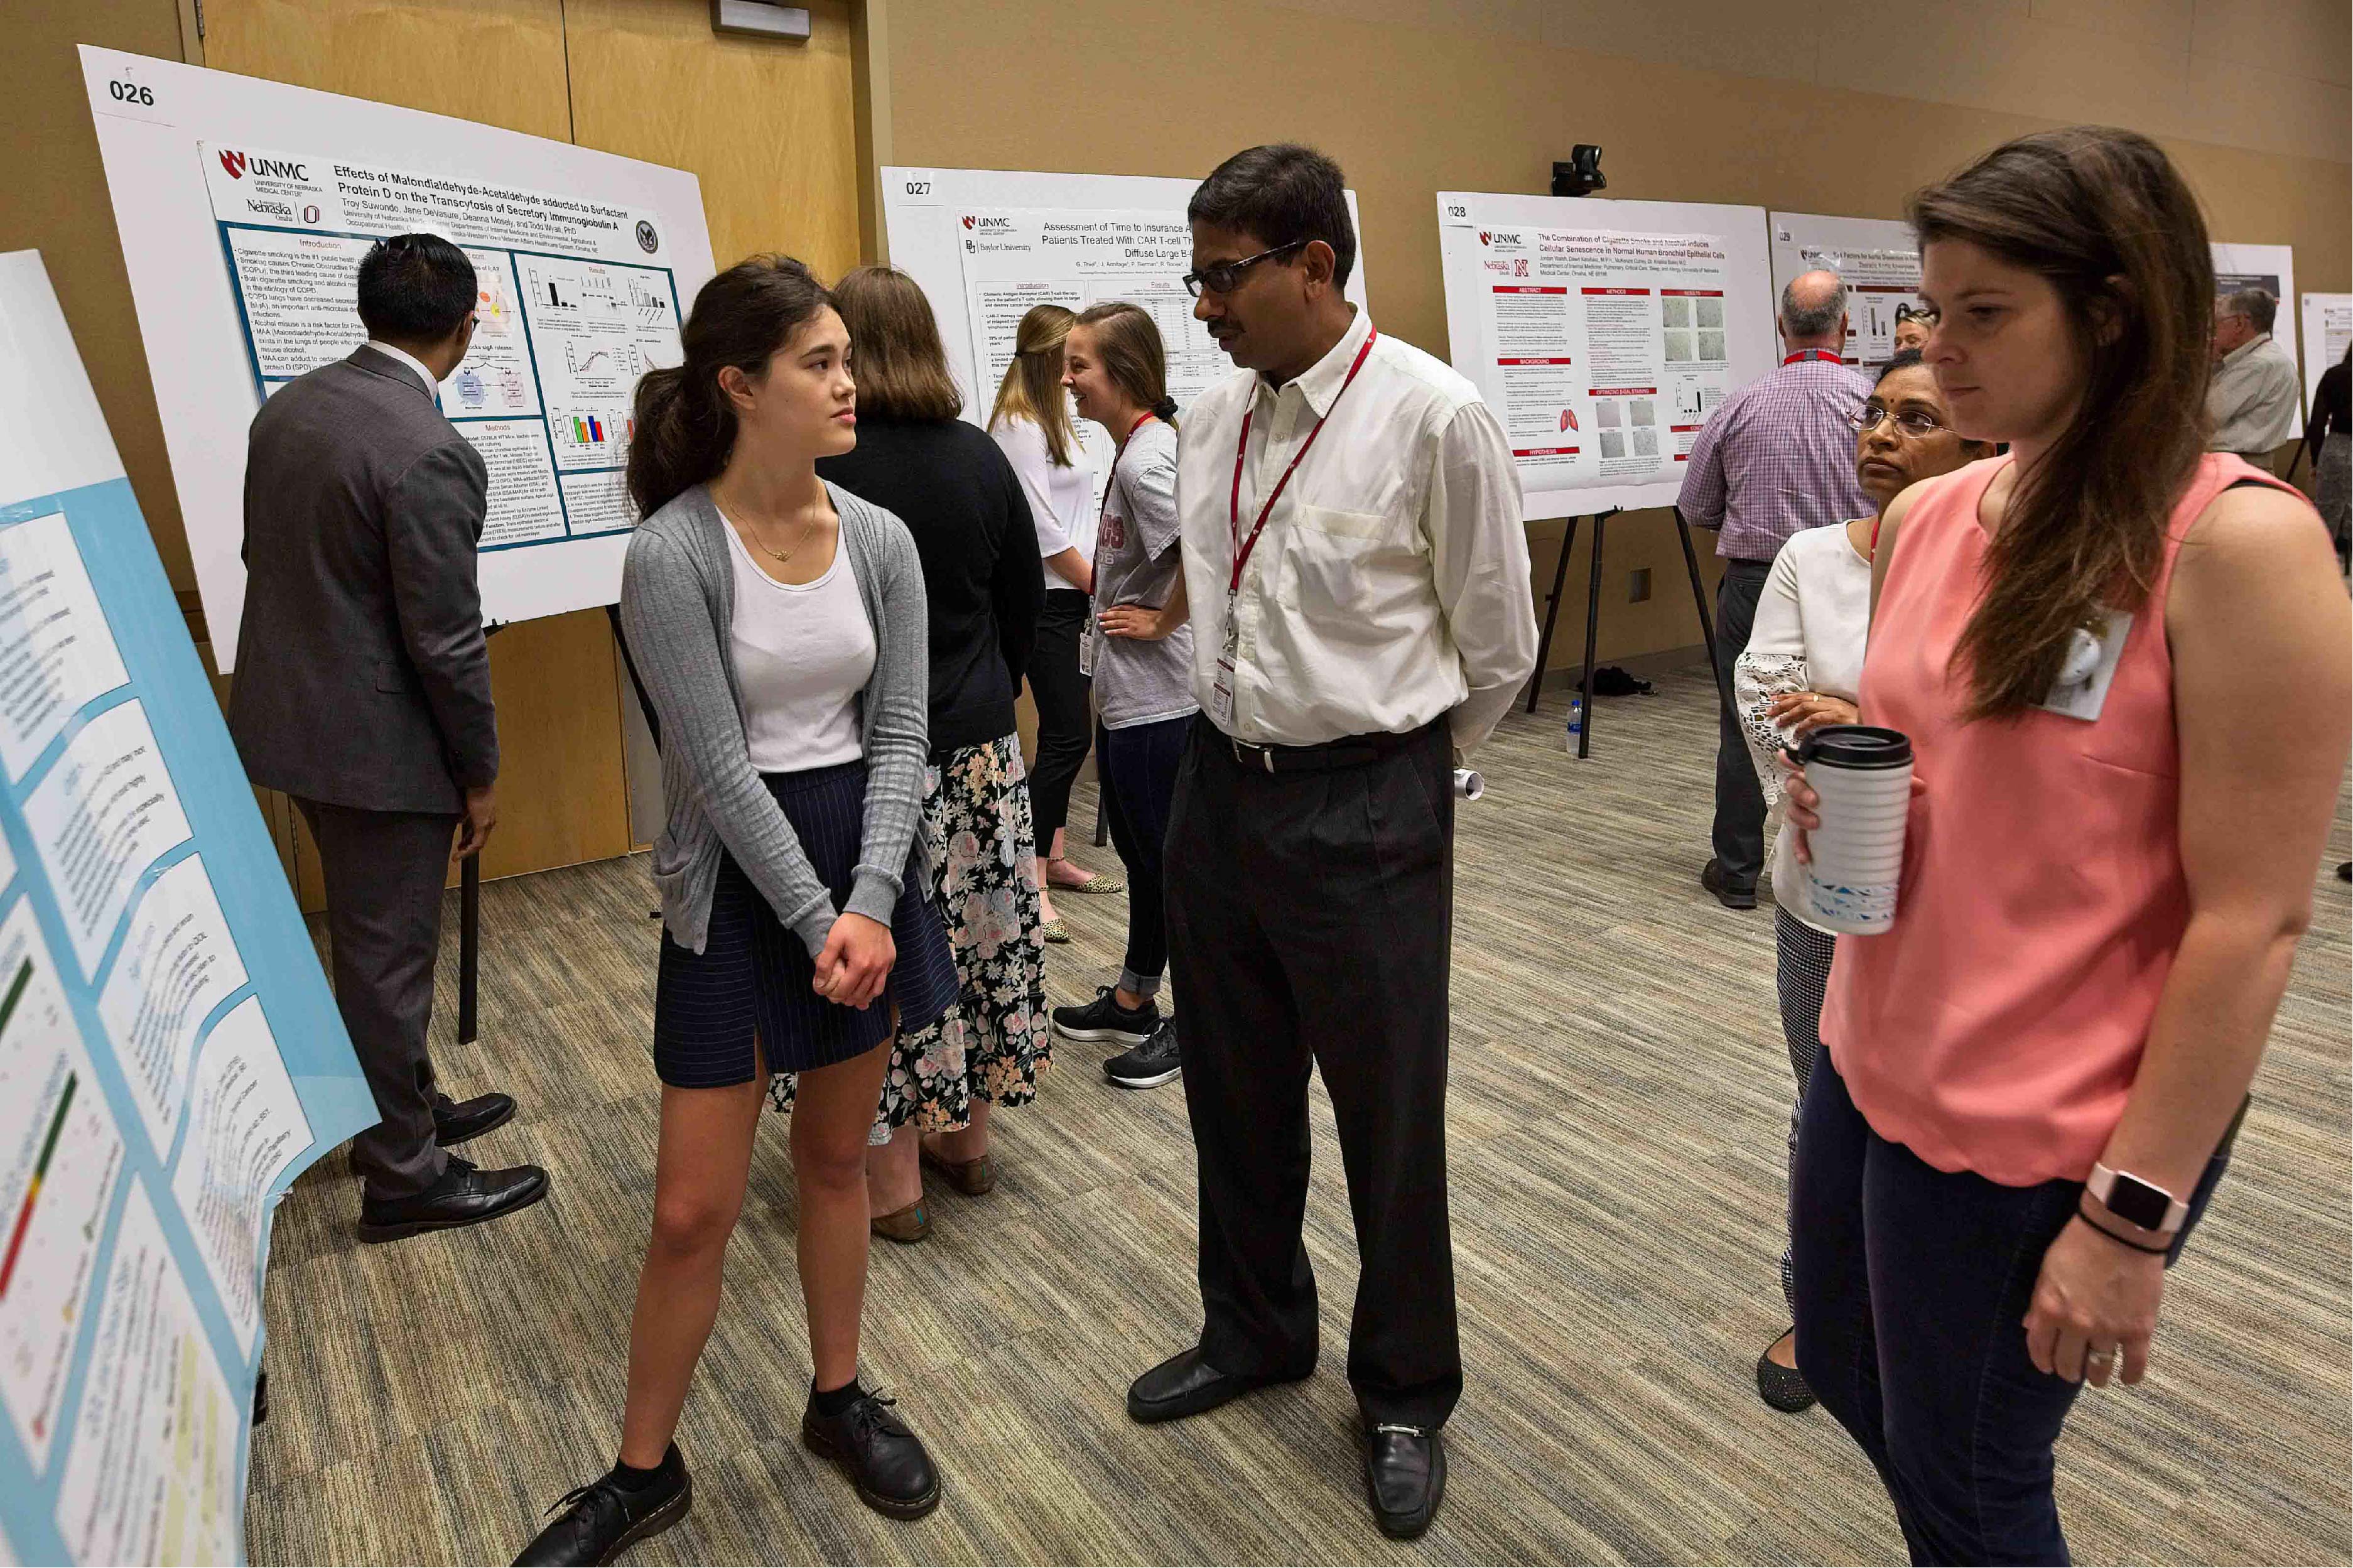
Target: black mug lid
x=1856, y=746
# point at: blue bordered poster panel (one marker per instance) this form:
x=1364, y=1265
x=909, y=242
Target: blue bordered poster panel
x=170, y=1055
x=545, y=392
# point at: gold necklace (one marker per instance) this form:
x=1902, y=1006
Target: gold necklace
x=783, y=557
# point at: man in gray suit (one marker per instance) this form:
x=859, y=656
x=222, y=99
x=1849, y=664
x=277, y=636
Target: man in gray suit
x=363, y=689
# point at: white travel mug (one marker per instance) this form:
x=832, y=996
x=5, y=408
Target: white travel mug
x=1863, y=775
x=1468, y=785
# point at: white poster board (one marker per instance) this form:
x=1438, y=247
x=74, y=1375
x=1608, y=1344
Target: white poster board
x=2327, y=331
x=986, y=245
x=2266, y=267
x=1603, y=333
x=1874, y=257
x=244, y=206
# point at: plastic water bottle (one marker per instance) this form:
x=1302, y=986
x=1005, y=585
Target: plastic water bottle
x=1575, y=715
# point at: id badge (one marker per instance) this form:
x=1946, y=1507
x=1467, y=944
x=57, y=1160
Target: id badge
x=1087, y=635
x=2093, y=655
x=1221, y=680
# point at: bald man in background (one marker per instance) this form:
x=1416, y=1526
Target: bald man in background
x=1775, y=458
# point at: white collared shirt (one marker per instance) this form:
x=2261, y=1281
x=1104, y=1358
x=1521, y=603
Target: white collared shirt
x=425, y=377
x=1391, y=585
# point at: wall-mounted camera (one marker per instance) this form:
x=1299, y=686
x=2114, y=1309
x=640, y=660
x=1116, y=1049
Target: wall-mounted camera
x=1581, y=175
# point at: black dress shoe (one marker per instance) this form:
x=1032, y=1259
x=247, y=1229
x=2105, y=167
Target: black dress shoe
x=884, y=1461
x=604, y=1518
x=1782, y=1387
x=1187, y=1385
x=1728, y=893
x=1405, y=1476
x=465, y=1194
x=459, y=1119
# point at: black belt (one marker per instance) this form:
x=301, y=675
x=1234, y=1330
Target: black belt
x=1349, y=752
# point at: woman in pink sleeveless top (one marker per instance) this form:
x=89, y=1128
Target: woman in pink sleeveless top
x=2031, y=1078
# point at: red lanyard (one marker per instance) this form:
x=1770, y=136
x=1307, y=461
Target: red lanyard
x=1243, y=547
x=1146, y=417
x=1825, y=355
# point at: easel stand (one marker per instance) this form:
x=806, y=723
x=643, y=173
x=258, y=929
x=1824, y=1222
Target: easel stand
x=1593, y=614
x=469, y=925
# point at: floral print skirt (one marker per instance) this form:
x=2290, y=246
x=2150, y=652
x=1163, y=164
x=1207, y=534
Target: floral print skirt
x=992, y=1040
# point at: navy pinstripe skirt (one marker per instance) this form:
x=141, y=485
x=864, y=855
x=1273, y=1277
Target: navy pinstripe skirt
x=752, y=976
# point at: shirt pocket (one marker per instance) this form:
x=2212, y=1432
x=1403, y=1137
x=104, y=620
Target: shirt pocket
x=1350, y=563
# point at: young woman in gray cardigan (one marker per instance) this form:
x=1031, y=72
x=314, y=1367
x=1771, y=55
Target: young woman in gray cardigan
x=778, y=624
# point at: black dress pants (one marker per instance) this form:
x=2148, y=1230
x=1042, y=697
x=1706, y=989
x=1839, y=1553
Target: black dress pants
x=1310, y=916
x=1739, y=838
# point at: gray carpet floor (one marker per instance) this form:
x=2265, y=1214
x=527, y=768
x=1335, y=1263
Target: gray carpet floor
x=1616, y=1119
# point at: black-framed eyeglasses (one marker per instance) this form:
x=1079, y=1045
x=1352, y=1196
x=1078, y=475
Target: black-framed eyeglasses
x=1224, y=277
x=1910, y=422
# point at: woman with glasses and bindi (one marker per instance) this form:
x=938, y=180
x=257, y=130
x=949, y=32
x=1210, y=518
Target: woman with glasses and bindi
x=1802, y=670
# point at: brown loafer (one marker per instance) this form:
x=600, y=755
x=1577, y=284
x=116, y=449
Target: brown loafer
x=970, y=1177
x=906, y=1226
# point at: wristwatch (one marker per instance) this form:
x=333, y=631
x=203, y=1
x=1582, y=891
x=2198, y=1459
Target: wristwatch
x=2136, y=1202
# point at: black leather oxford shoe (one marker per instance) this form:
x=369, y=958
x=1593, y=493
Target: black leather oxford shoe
x=883, y=1460
x=1405, y=1476
x=1187, y=1385
x=466, y=1195
x=456, y=1121
x=604, y=1518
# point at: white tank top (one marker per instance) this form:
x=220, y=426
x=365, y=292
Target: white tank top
x=803, y=654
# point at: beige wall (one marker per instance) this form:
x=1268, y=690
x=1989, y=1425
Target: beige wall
x=1761, y=102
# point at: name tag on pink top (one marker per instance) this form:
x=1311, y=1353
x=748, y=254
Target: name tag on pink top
x=2081, y=689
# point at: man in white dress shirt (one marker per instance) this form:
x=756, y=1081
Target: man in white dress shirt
x=1358, y=584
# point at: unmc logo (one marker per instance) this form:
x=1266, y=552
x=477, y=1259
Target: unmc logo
x=234, y=163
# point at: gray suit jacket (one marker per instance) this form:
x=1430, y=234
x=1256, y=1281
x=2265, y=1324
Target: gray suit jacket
x=362, y=678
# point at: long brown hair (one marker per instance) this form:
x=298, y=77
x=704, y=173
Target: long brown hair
x=1128, y=342
x=2103, y=216
x=685, y=425
x=894, y=346
x=1033, y=388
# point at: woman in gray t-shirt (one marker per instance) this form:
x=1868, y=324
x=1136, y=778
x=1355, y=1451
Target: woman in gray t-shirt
x=1143, y=664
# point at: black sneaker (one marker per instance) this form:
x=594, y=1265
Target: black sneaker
x=1103, y=1022
x=881, y=1458
x=604, y=1518
x=1149, y=1065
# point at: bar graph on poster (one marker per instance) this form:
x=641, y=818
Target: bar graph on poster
x=563, y=329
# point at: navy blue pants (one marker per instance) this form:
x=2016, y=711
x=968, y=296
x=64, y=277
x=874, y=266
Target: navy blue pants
x=1137, y=765
x=1912, y=1288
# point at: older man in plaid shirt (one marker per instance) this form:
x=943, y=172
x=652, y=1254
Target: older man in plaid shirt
x=1778, y=457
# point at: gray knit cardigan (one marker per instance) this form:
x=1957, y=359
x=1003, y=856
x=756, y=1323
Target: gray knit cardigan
x=678, y=602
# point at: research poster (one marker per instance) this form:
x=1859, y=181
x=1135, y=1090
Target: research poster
x=245, y=208
x=1874, y=257
x=2327, y=334
x=2271, y=267
x=170, y=1056
x=1603, y=335
x=987, y=245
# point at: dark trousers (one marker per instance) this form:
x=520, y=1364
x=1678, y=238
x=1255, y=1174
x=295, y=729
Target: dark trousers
x=1913, y=1285
x=1739, y=835
x=1310, y=916
x=385, y=871
x=1138, y=779
x=1060, y=693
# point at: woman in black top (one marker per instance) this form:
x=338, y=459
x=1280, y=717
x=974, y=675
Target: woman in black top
x=2329, y=435
x=949, y=483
